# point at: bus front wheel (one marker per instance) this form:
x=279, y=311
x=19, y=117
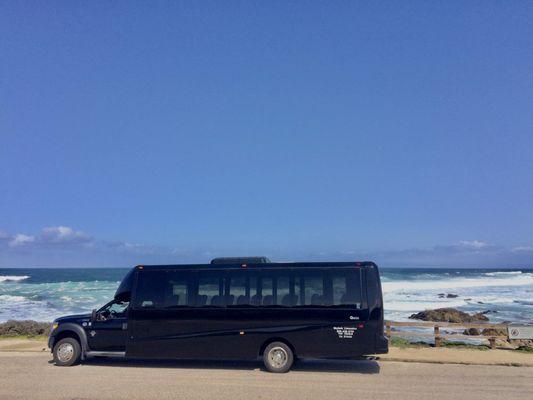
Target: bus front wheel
x=67, y=352
x=278, y=357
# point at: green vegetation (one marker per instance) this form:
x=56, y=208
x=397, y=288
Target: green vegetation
x=462, y=345
x=525, y=349
x=42, y=338
x=403, y=343
x=24, y=329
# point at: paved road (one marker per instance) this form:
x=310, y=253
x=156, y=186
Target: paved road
x=31, y=376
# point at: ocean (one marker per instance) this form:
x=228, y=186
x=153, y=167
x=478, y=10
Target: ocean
x=43, y=294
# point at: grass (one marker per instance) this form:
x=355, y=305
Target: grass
x=525, y=350
x=28, y=337
x=462, y=345
x=404, y=343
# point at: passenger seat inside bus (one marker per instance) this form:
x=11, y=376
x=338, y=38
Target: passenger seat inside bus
x=317, y=300
x=216, y=301
x=289, y=300
x=256, y=300
x=201, y=300
x=268, y=300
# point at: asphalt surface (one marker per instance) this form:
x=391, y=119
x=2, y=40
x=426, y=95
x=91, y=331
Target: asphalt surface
x=32, y=376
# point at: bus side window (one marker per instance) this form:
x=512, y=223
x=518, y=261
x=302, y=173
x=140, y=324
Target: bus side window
x=313, y=289
x=265, y=290
x=210, y=289
x=347, y=288
x=282, y=291
x=177, y=289
x=242, y=289
x=150, y=289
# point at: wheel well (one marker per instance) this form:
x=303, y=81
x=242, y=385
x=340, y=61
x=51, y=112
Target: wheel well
x=66, y=334
x=276, y=339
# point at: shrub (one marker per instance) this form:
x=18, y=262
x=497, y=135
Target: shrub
x=24, y=328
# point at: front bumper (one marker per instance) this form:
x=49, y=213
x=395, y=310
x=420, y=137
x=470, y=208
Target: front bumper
x=51, y=342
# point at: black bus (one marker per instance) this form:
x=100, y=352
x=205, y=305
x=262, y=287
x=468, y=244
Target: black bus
x=236, y=308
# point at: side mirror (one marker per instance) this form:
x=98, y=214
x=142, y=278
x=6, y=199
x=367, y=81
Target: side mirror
x=93, y=315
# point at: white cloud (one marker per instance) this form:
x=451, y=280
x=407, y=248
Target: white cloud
x=520, y=249
x=473, y=244
x=62, y=234
x=20, y=240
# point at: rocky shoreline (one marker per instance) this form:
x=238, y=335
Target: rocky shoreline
x=453, y=315
x=450, y=315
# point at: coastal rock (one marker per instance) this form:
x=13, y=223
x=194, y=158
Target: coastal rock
x=448, y=315
x=471, y=332
x=447, y=295
x=494, y=331
x=522, y=343
x=504, y=344
x=486, y=332
x=480, y=317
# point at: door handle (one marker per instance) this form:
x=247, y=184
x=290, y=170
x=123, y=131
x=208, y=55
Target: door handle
x=124, y=326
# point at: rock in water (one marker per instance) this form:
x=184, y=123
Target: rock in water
x=471, y=332
x=480, y=317
x=448, y=315
x=494, y=331
x=447, y=296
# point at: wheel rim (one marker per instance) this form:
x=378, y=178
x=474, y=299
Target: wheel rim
x=65, y=352
x=278, y=357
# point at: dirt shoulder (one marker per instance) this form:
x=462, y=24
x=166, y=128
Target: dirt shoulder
x=459, y=356
x=35, y=344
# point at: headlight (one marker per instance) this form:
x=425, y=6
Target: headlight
x=54, y=326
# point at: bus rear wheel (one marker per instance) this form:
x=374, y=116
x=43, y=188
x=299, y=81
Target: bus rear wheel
x=278, y=357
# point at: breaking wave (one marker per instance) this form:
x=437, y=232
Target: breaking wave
x=12, y=278
x=457, y=283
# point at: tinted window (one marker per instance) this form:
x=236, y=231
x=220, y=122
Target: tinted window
x=178, y=287
x=347, y=288
x=210, y=289
x=314, y=289
x=263, y=288
x=266, y=291
x=282, y=293
x=281, y=288
x=150, y=289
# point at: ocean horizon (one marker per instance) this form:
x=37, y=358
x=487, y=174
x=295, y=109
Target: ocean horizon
x=504, y=294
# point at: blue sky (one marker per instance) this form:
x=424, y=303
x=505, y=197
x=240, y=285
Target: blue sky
x=140, y=132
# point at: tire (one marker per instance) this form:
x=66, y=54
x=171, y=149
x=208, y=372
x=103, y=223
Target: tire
x=278, y=357
x=67, y=352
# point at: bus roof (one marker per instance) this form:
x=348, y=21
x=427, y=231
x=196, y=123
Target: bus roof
x=276, y=265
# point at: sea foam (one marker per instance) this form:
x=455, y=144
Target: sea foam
x=13, y=278
x=456, y=283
